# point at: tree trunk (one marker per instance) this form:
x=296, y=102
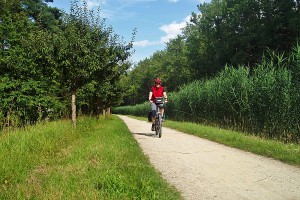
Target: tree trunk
x=74, y=110
x=104, y=109
x=7, y=124
x=40, y=114
x=97, y=106
x=108, y=108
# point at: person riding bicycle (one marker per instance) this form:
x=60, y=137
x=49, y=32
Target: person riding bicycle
x=157, y=91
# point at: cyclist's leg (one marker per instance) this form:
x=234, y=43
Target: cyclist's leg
x=153, y=109
x=162, y=110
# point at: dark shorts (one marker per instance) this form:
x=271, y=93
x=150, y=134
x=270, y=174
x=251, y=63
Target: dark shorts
x=154, y=105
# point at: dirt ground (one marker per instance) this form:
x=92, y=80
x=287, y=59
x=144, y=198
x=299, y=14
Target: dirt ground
x=202, y=169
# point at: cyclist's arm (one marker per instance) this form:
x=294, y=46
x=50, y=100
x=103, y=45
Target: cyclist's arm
x=150, y=96
x=165, y=96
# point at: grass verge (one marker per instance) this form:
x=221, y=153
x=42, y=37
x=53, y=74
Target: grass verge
x=288, y=153
x=100, y=160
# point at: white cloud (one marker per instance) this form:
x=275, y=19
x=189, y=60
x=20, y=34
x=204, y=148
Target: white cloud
x=173, y=29
x=125, y=3
x=94, y=3
x=108, y=14
x=145, y=43
x=105, y=13
x=204, y=1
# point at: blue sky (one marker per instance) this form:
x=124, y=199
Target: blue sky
x=156, y=20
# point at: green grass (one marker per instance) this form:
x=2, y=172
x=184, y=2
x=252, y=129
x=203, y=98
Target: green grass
x=288, y=153
x=100, y=160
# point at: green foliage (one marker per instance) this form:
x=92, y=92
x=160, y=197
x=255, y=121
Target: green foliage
x=139, y=82
x=257, y=101
x=28, y=78
x=233, y=66
x=47, y=55
x=225, y=32
x=238, y=32
x=102, y=57
x=136, y=110
x=76, y=39
x=173, y=71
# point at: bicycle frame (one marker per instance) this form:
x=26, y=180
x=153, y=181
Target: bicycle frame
x=158, y=122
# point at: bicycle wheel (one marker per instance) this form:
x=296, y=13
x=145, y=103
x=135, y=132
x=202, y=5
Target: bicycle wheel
x=159, y=125
x=156, y=125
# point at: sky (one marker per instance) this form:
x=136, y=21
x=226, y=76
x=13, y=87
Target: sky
x=156, y=21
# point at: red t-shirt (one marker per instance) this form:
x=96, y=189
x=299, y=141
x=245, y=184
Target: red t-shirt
x=157, y=92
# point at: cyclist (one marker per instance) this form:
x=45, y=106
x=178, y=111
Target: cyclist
x=156, y=91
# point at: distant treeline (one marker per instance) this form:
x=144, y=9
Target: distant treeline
x=225, y=32
x=264, y=100
x=235, y=65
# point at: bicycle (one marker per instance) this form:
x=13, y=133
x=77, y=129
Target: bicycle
x=158, y=117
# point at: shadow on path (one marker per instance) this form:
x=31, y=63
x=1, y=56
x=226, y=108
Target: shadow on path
x=146, y=134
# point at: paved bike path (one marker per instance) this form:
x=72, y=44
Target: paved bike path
x=202, y=169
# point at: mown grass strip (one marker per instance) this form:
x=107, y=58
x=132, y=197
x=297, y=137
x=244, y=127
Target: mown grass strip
x=100, y=160
x=288, y=153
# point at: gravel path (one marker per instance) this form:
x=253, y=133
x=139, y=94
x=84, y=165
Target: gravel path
x=202, y=169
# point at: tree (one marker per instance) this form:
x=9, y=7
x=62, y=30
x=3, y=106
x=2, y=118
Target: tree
x=75, y=52
x=27, y=81
x=225, y=32
x=114, y=59
x=46, y=56
x=176, y=66
x=238, y=32
x=88, y=52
